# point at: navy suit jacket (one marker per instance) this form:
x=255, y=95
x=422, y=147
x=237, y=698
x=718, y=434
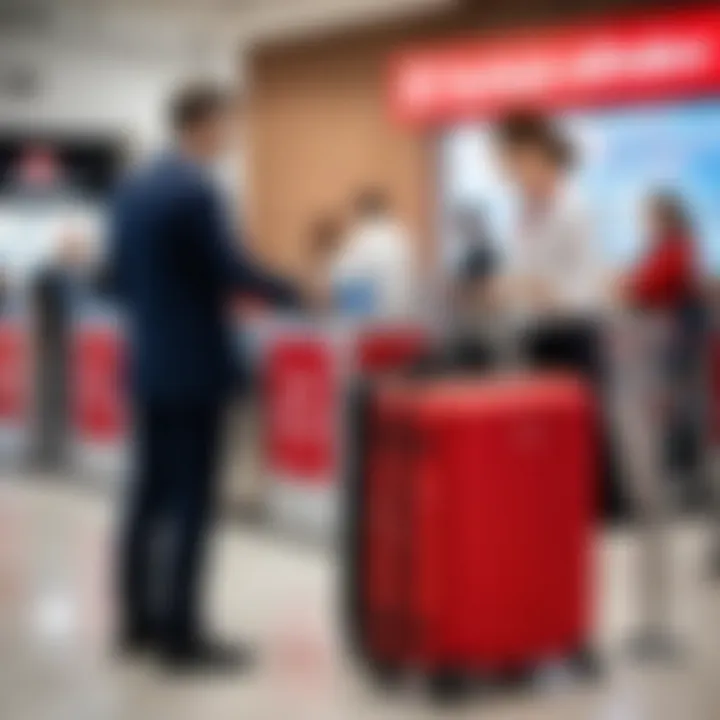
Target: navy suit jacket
x=173, y=264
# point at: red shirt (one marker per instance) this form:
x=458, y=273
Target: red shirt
x=666, y=276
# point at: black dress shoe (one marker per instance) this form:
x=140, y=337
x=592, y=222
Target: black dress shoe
x=203, y=655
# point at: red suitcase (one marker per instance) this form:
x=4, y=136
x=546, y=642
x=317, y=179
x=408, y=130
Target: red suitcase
x=474, y=545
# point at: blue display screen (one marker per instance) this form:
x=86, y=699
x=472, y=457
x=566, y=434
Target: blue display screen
x=624, y=156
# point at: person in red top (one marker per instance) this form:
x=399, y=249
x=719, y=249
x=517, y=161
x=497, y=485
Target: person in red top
x=666, y=277
x=667, y=280
x=657, y=404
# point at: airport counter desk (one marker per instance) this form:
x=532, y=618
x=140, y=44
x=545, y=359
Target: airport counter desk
x=304, y=374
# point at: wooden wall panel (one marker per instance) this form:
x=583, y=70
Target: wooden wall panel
x=319, y=134
x=319, y=130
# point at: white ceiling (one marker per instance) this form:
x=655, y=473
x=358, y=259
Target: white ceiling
x=161, y=26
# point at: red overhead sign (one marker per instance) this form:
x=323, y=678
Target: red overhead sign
x=657, y=57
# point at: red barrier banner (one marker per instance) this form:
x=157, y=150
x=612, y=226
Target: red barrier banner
x=660, y=56
x=302, y=399
x=99, y=400
x=385, y=349
x=15, y=371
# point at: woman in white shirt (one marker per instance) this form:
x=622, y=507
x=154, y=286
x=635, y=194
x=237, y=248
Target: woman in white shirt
x=553, y=281
x=553, y=278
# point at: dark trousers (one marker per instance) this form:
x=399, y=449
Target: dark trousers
x=170, y=507
x=576, y=345
x=570, y=344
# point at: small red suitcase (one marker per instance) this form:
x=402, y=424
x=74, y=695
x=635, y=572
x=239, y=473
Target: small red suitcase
x=474, y=546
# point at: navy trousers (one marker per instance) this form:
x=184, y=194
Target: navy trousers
x=168, y=518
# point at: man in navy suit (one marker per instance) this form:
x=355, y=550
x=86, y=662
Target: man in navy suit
x=173, y=264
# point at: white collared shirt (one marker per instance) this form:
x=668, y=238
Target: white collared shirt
x=557, y=246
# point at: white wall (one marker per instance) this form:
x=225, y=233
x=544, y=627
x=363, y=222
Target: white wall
x=113, y=73
x=78, y=91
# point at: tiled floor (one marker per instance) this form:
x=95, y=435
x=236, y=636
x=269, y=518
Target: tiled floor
x=55, y=617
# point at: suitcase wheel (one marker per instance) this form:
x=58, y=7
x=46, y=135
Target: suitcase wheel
x=447, y=686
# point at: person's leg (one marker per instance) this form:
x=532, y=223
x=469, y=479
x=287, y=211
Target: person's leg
x=639, y=404
x=140, y=529
x=652, y=504
x=713, y=472
x=194, y=486
x=711, y=446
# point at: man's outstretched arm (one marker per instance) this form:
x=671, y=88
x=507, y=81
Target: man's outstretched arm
x=214, y=253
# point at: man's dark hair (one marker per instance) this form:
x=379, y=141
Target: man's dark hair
x=525, y=128
x=371, y=202
x=196, y=103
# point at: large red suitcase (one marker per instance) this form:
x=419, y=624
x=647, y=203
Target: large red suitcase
x=476, y=502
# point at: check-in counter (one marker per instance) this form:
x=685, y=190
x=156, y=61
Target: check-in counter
x=303, y=373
